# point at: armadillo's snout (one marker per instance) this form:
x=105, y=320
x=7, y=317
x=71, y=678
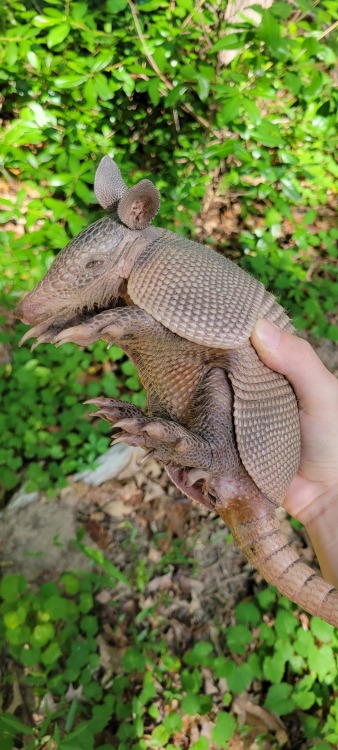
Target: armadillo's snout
x=32, y=310
x=22, y=312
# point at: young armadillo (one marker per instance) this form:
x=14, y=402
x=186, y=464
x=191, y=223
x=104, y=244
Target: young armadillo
x=225, y=425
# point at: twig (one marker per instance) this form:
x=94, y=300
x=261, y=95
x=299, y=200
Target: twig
x=186, y=107
x=328, y=31
x=189, y=18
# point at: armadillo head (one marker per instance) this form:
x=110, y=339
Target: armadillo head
x=89, y=273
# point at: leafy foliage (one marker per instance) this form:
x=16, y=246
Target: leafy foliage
x=51, y=636
x=51, y=424
x=145, y=83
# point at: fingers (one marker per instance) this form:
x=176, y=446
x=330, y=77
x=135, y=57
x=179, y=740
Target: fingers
x=315, y=387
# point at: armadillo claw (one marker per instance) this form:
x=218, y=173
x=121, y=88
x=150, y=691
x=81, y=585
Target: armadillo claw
x=114, y=410
x=44, y=338
x=99, y=401
x=169, y=440
x=132, y=426
x=162, y=431
x=81, y=335
x=137, y=441
x=34, y=332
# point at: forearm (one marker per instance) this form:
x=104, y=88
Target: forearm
x=321, y=522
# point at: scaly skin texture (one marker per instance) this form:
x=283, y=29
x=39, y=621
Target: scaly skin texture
x=225, y=426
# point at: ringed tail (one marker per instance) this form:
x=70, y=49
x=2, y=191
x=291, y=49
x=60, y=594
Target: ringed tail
x=256, y=529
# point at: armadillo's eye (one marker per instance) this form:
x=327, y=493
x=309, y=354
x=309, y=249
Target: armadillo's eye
x=94, y=263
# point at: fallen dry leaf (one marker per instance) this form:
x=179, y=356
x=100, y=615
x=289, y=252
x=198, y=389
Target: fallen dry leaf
x=118, y=509
x=249, y=713
x=110, y=659
x=160, y=583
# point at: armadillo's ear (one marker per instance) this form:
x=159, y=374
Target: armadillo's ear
x=109, y=185
x=139, y=205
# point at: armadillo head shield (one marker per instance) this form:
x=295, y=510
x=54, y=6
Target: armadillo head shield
x=87, y=275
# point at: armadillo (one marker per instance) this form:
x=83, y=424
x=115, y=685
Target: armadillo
x=225, y=426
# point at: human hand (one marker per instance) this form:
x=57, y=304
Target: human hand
x=313, y=493
x=317, y=392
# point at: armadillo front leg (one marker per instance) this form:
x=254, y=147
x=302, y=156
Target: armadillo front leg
x=191, y=402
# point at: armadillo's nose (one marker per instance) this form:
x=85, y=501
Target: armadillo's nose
x=21, y=313
x=29, y=310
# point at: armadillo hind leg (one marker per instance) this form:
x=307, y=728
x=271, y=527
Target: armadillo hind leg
x=266, y=423
x=256, y=530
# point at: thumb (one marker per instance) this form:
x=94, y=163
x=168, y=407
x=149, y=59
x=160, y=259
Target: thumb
x=293, y=357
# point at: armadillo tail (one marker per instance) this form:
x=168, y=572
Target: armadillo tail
x=257, y=532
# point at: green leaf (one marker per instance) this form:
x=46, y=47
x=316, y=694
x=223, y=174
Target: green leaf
x=70, y=583
x=199, y=654
x=273, y=668
x=292, y=82
x=251, y=110
x=11, y=55
x=278, y=699
x=247, y=613
x=268, y=134
x=203, y=87
x=90, y=92
x=116, y=6
x=102, y=87
x=159, y=737
x=290, y=190
x=322, y=662
x=230, y=109
x=57, y=35
x=134, y=659
x=269, y=31
x=238, y=636
x=12, y=725
x=101, y=61
x=153, y=91
x=12, y=586
x=285, y=624
x=322, y=630
x=51, y=654
x=191, y=704
x=69, y=82
x=173, y=722
x=43, y=633
x=281, y=9
x=15, y=618
x=33, y=60
x=42, y=21
x=201, y=744
x=98, y=557
x=229, y=41
x=224, y=729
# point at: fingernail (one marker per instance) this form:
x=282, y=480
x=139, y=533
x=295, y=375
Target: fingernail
x=267, y=333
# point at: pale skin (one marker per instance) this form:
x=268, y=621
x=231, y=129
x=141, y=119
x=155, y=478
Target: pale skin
x=312, y=497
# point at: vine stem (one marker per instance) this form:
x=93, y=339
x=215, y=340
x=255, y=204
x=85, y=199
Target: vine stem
x=186, y=107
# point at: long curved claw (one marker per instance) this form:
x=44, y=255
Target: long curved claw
x=99, y=401
x=137, y=441
x=160, y=431
x=80, y=335
x=100, y=413
x=44, y=338
x=133, y=426
x=34, y=332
